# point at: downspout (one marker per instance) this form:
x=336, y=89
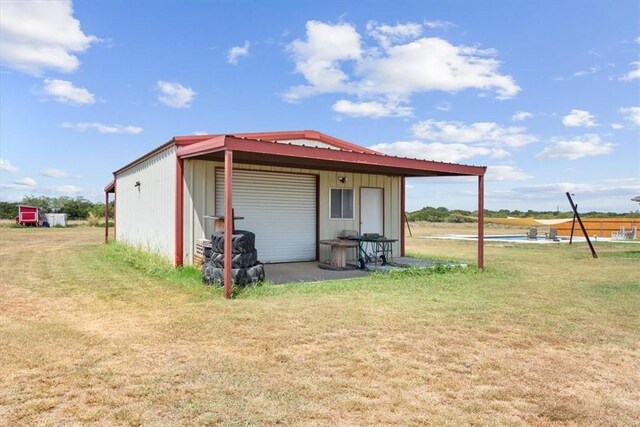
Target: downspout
x=179, y=232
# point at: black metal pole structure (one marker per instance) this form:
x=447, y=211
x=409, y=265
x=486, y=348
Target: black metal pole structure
x=573, y=226
x=584, y=231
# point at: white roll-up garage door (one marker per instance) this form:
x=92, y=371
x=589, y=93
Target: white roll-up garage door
x=279, y=208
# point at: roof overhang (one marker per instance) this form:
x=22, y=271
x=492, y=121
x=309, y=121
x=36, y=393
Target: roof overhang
x=257, y=151
x=111, y=187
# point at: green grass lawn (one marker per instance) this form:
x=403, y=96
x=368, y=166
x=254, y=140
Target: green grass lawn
x=94, y=333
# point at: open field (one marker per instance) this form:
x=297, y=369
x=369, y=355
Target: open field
x=545, y=336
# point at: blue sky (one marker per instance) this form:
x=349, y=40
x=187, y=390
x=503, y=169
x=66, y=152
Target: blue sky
x=545, y=93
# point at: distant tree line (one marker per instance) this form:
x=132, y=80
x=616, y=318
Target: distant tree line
x=441, y=214
x=74, y=207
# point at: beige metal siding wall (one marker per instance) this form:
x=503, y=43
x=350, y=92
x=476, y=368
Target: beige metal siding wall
x=328, y=228
x=145, y=216
x=199, y=200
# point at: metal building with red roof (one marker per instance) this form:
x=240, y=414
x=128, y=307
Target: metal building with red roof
x=292, y=188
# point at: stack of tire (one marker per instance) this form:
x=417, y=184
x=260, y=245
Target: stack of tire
x=246, y=269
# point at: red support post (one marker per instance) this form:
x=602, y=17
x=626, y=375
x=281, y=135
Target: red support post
x=179, y=232
x=317, y=217
x=115, y=208
x=481, y=222
x=106, y=217
x=228, y=220
x=402, y=215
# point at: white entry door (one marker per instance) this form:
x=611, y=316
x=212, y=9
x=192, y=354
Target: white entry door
x=280, y=208
x=371, y=210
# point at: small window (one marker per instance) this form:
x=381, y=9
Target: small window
x=341, y=203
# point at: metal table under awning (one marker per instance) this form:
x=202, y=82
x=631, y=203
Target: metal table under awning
x=373, y=249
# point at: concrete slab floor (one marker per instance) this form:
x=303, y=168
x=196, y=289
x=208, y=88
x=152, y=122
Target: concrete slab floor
x=306, y=272
x=310, y=272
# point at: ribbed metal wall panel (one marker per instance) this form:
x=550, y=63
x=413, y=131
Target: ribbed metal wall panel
x=279, y=208
x=329, y=228
x=145, y=215
x=199, y=201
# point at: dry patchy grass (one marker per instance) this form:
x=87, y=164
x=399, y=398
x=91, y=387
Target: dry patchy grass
x=545, y=336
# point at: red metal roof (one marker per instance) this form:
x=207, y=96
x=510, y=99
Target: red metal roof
x=280, y=136
x=360, y=159
x=270, y=148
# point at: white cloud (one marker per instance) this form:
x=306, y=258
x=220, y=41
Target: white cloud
x=67, y=189
x=36, y=36
x=318, y=58
x=435, y=151
x=175, y=95
x=506, y=173
x=7, y=166
x=444, y=106
x=578, y=118
x=386, y=35
x=591, y=70
x=31, y=186
x=519, y=116
x=11, y=187
x=102, y=128
x=26, y=182
x=623, y=186
x=430, y=64
x=65, y=92
x=54, y=173
x=634, y=73
x=371, y=109
x=578, y=147
x=237, y=52
x=484, y=133
x=631, y=114
x=614, y=194
x=332, y=60
x=444, y=25
x=617, y=126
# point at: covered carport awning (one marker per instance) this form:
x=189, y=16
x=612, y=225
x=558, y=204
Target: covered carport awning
x=271, y=153
x=240, y=149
